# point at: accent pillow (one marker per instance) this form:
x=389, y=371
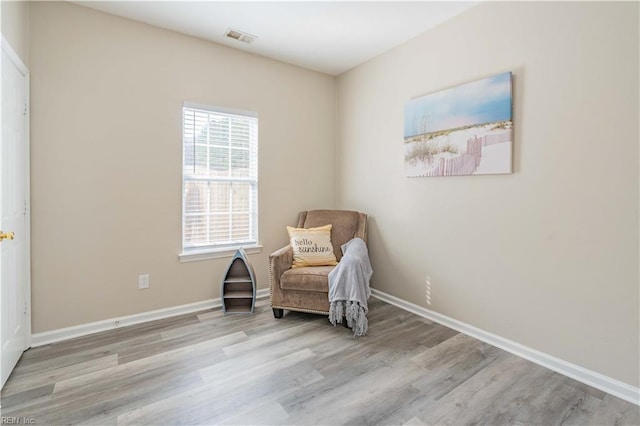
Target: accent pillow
x=312, y=246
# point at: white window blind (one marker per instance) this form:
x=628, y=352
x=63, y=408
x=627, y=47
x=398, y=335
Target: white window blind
x=220, y=179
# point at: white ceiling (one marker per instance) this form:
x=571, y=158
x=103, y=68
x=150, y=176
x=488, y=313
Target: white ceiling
x=330, y=37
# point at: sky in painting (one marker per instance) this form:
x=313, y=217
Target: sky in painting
x=478, y=102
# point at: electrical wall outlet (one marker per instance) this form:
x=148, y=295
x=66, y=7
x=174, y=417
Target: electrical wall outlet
x=143, y=281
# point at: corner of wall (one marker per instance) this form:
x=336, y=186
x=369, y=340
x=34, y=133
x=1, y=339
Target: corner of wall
x=337, y=196
x=14, y=18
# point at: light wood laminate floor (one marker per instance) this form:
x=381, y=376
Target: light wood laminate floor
x=208, y=368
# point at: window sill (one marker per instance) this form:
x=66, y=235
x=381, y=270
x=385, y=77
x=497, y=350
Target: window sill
x=194, y=256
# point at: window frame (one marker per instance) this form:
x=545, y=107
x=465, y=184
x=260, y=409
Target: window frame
x=227, y=249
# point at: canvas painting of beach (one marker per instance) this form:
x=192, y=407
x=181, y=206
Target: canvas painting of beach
x=464, y=130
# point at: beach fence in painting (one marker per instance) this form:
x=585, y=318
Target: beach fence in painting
x=468, y=162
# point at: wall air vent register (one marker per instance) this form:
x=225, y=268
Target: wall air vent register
x=240, y=36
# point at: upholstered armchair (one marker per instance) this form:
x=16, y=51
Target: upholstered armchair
x=306, y=289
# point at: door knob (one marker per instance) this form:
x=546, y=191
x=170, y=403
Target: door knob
x=8, y=236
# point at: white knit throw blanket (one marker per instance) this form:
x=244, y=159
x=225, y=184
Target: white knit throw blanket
x=349, y=287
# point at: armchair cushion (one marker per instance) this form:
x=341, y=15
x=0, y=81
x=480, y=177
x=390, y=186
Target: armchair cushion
x=312, y=278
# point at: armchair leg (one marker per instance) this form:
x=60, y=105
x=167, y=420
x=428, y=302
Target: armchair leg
x=277, y=312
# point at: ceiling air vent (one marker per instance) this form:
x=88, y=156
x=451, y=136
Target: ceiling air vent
x=240, y=36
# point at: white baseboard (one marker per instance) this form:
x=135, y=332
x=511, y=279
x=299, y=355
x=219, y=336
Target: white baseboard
x=599, y=381
x=53, y=336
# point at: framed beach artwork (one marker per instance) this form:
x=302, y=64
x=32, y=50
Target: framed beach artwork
x=464, y=130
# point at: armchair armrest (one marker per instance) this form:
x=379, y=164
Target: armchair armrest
x=279, y=261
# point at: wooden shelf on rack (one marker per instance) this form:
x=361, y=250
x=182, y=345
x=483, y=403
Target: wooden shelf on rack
x=246, y=279
x=236, y=310
x=238, y=294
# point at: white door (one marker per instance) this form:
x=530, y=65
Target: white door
x=14, y=211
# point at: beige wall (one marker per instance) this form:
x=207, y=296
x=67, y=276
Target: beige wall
x=15, y=26
x=106, y=159
x=547, y=256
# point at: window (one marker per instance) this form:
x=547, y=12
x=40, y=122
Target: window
x=219, y=179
